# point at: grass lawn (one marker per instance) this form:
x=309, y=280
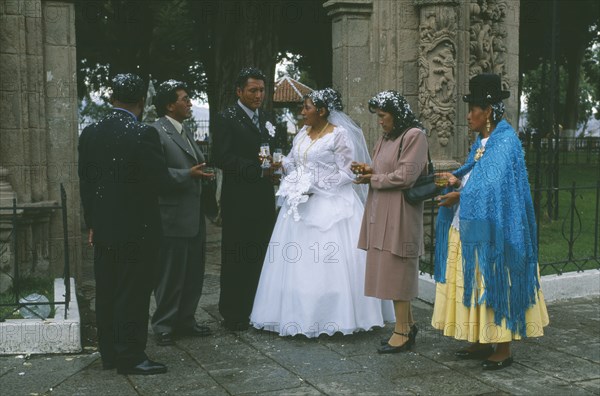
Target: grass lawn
x=580, y=210
x=44, y=286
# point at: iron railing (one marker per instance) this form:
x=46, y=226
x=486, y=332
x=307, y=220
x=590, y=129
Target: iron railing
x=578, y=229
x=585, y=150
x=16, y=277
x=579, y=232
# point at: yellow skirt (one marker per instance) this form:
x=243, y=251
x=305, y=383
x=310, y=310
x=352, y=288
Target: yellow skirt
x=476, y=323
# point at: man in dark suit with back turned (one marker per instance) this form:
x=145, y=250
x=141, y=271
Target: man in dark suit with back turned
x=121, y=170
x=247, y=197
x=182, y=251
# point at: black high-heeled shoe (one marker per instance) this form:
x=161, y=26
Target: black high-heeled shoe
x=412, y=335
x=387, y=348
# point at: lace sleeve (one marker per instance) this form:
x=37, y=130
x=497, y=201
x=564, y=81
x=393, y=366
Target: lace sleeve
x=289, y=161
x=333, y=175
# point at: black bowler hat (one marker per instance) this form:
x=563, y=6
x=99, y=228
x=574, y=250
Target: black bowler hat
x=486, y=89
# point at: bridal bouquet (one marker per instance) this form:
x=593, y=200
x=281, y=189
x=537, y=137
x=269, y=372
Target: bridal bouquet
x=294, y=189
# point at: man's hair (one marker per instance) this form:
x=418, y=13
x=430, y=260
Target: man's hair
x=246, y=73
x=166, y=94
x=128, y=88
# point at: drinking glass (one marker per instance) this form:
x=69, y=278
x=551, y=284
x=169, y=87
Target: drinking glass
x=440, y=180
x=209, y=168
x=357, y=168
x=264, y=154
x=277, y=158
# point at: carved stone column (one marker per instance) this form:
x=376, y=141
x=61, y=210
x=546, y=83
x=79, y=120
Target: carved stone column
x=494, y=46
x=439, y=76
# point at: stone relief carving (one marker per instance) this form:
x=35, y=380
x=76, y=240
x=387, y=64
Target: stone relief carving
x=437, y=71
x=487, y=37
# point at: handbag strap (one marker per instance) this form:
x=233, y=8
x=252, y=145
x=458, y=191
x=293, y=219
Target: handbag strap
x=430, y=169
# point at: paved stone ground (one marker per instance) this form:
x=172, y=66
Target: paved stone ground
x=564, y=362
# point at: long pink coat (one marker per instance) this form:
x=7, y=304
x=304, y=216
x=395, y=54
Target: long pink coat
x=398, y=225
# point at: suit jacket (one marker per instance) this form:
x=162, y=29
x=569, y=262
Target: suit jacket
x=236, y=146
x=121, y=171
x=389, y=222
x=180, y=207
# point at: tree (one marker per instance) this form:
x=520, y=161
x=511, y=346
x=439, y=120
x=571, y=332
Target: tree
x=201, y=42
x=535, y=92
x=577, y=28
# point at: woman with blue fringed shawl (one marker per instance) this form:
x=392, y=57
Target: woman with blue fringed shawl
x=486, y=260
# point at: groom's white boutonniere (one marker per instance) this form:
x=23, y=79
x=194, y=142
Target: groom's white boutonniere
x=270, y=128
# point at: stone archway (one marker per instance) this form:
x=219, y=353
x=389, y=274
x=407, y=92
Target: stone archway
x=426, y=49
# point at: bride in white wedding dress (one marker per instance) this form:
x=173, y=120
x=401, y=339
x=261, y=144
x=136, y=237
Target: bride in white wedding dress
x=313, y=276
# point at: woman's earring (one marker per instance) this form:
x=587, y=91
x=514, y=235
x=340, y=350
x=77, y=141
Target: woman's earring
x=488, y=125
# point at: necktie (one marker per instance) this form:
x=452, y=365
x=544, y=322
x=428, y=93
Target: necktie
x=184, y=136
x=255, y=120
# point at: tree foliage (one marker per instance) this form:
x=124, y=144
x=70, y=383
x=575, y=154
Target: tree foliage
x=575, y=26
x=536, y=91
x=201, y=42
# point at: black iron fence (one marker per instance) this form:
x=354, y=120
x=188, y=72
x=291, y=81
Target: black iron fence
x=585, y=150
x=17, y=279
x=568, y=243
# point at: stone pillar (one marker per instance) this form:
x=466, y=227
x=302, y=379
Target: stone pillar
x=374, y=49
x=353, y=67
x=60, y=72
x=38, y=133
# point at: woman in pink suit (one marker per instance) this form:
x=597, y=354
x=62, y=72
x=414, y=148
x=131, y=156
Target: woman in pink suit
x=392, y=228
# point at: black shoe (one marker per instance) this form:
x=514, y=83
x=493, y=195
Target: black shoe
x=481, y=353
x=235, y=326
x=387, y=348
x=491, y=365
x=147, y=367
x=412, y=335
x=164, y=339
x=195, y=331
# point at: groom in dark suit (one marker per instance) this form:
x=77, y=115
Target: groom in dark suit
x=247, y=197
x=182, y=252
x=121, y=171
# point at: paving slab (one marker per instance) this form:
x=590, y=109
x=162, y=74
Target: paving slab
x=185, y=376
x=94, y=381
x=37, y=374
x=442, y=381
x=359, y=383
x=592, y=386
x=255, y=376
x=566, y=361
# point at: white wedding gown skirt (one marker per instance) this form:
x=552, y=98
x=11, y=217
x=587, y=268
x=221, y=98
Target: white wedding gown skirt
x=313, y=276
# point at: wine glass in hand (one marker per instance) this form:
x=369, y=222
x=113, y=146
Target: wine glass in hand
x=264, y=154
x=357, y=168
x=277, y=159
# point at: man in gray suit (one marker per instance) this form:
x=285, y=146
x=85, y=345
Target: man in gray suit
x=182, y=252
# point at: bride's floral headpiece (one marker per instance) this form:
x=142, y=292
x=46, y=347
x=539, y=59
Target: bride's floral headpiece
x=328, y=98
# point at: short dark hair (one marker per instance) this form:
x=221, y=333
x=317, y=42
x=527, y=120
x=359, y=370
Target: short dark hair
x=247, y=73
x=166, y=93
x=128, y=88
